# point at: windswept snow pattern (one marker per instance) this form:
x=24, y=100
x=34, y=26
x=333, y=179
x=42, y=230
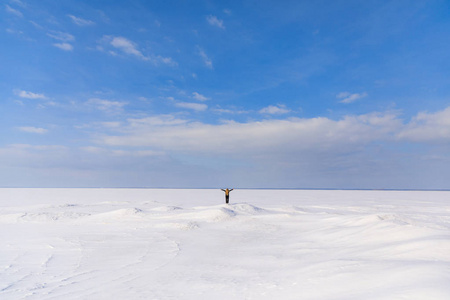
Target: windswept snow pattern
x=187, y=244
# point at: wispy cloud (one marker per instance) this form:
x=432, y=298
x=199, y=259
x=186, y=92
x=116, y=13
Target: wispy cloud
x=12, y=31
x=206, y=60
x=199, y=97
x=129, y=47
x=106, y=105
x=119, y=152
x=349, y=97
x=193, y=106
x=214, y=21
x=36, y=25
x=33, y=130
x=61, y=36
x=64, y=46
x=229, y=111
x=126, y=46
x=13, y=11
x=37, y=147
x=165, y=60
x=159, y=120
x=275, y=110
x=29, y=95
x=81, y=22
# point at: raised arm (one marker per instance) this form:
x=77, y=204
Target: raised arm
x=231, y=190
x=222, y=190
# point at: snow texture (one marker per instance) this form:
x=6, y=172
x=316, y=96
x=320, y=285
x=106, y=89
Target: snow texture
x=188, y=244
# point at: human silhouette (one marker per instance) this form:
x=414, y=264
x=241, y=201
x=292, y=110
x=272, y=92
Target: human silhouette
x=227, y=195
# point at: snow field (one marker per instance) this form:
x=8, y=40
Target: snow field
x=186, y=244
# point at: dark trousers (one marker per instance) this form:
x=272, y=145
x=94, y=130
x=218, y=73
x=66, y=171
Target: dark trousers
x=227, y=198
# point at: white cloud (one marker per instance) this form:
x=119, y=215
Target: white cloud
x=61, y=36
x=130, y=48
x=36, y=25
x=227, y=11
x=106, y=105
x=193, y=106
x=160, y=120
x=80, y=22
x=37, y=147
x=214, y=21
x=428, y=127
x=13, y=11
x=111, y=124
x=166, y=60
x=206, y=60
x=268, y=136
x=33, y=129
x=232, y=110
x=126, y=46
x=120, y=152
x=199, y=97
x=349, y=98
x=64, y=46
x=275, y=110
x=92, y=149
x=12, y=31
x=29, y=95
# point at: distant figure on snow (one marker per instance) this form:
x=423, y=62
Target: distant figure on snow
x=227, y=195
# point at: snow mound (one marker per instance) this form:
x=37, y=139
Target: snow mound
x=123, y=214
x=247, y=209
x=222, y=212
x=211, y=214
x=166, y=208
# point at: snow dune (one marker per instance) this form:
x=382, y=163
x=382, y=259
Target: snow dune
x=186, y=244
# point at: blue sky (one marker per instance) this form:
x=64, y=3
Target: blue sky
x=291, y=94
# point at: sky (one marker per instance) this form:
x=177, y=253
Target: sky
x=207, y=94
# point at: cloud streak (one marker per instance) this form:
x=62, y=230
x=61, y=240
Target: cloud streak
x=347, y=97
x=13, y=11
x=106, y=105
x=126, y=46
x=206, y=60
x=214, y=21
x=274, y=110
x=29, y=95
x=193, y=106
x=80, y=21
x=29, y=129
x=129, y=47
x=64, y=46
x=199, y=97
x=61, y=36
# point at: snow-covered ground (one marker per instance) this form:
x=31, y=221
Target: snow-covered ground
x=187, y=244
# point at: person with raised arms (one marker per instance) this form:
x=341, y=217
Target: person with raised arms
x=227, y=195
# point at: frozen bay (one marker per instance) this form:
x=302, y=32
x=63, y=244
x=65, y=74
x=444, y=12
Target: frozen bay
x=187, y=244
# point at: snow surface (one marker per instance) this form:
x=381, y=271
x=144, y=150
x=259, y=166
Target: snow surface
x=187, y=244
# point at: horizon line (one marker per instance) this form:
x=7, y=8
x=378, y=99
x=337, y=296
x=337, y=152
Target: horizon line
x=239, y=188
